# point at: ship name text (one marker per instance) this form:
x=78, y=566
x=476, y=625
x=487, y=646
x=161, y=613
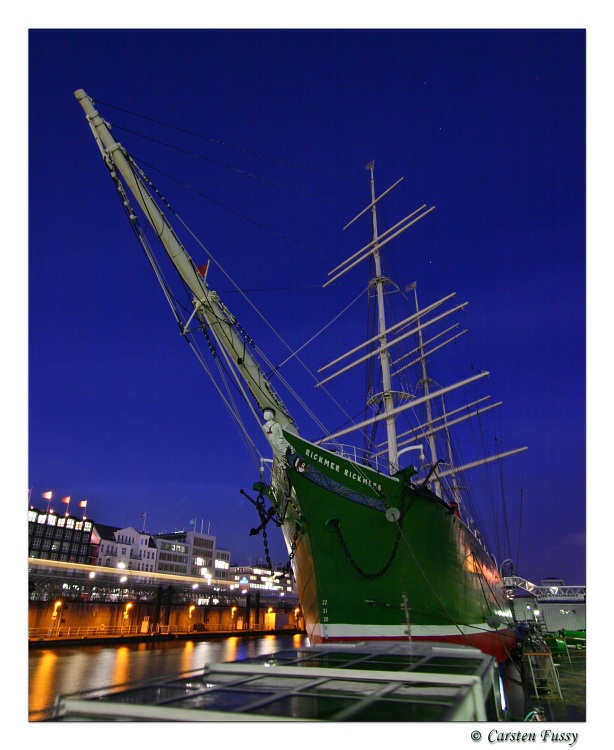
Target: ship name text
x=357, y=476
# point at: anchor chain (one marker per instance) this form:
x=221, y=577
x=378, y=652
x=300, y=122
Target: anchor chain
x=393, y=553
x=265, y=517
x=357, y=567
x=288, y=566
x=263, y=521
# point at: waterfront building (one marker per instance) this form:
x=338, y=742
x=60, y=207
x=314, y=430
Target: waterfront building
x=247, y=578
x=222, y=563
x=202, y=559
x=55, y=537
x=552, y=605
x=126, y=548
x=79, y=540
x=173, y=556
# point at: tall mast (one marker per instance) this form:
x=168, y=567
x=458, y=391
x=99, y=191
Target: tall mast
x=208, y=306
x=426, y=388
x=380, y=281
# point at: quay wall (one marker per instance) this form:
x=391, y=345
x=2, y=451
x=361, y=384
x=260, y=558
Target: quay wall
x=56, y=619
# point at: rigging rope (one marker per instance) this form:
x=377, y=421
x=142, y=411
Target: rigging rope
x=211, y=139
x=173, y=304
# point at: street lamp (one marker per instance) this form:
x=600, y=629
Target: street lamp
x=56, y=618
x=124, y=578
x=126, y=615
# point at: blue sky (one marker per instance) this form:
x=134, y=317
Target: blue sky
x=488, y=125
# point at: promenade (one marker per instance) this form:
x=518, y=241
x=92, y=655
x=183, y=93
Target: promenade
x=91, y=636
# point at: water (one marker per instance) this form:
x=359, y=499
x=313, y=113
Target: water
x=55, y=671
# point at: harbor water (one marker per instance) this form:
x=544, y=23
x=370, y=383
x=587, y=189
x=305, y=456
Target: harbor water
x=65, y=669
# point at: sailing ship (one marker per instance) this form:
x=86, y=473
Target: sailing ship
x=380, y=547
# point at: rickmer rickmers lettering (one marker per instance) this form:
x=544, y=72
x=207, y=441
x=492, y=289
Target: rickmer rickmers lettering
x=345, y=472
x=380, y=530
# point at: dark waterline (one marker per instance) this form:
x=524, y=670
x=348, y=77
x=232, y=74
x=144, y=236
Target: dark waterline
x=56, y=671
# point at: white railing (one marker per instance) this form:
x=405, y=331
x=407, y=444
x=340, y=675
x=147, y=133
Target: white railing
x=118, y=631
x=358, y=455
x=545, y=592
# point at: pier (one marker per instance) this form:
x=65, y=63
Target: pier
x=74, y=601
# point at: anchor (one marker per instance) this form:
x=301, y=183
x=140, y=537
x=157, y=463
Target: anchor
x=264, y=517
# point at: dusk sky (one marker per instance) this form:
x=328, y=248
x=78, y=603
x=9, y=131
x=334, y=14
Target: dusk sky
x=271, y=132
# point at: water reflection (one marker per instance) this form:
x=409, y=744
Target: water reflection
x=41, y=676
x=121, y=667
x=59, y=671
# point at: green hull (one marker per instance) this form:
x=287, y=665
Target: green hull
x=362, y=543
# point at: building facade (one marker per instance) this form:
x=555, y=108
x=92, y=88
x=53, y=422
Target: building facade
x=55, y=537
x=70, y=539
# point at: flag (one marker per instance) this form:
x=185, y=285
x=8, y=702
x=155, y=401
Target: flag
x=192, y=520
x=83, y=504
x=47, y=495
x=66, y=500
x=143, y=514
x=202, y=270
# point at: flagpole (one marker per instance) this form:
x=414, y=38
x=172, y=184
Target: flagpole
x=48, y=496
